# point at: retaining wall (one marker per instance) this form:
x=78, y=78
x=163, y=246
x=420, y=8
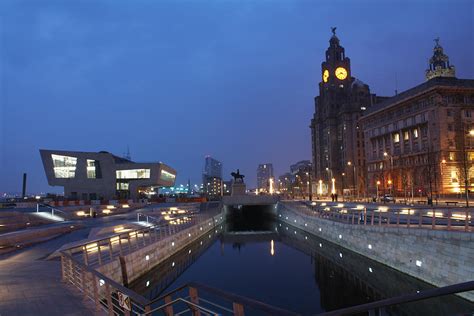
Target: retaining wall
x=438, y=257
x=136, y=263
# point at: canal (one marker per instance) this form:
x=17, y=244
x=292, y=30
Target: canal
x=257, y=256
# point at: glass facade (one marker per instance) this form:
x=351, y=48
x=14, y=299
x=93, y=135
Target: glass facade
x=93, y=169
x=167, y=176
x=64, y=166
x=133, y=174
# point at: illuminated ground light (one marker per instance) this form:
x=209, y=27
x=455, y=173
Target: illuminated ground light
x=320, y=245
x=340, y=254
x=370, y=270
x=418, y=263
x=147, y=257
x=369, y=246
x=147, y=283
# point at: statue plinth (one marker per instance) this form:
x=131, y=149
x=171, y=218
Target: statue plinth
x=238, y=188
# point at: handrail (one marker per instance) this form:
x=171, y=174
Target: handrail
x=272, y=310
x=134, y=296
x=408, y=298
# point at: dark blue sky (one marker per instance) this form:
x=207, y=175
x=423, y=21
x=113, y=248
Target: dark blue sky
x=178, y=80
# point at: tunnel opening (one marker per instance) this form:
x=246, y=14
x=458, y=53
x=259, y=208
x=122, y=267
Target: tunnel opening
x=250, y=218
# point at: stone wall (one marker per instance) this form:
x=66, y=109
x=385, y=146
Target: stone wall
x=143, y=260
x=438, y=257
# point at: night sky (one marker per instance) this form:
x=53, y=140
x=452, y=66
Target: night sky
x=178, y=80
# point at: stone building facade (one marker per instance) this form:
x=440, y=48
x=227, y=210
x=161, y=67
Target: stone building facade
x=337, y=140
x=421, y=141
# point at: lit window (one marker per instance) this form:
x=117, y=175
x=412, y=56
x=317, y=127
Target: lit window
x=454, y=177
x=167, y=176
x=406, y=135
x=396, y=137
x=64, y=166
x=452, y=156
x=133, y=174
x=415, y=133
x=93, y=169
x=122, y=186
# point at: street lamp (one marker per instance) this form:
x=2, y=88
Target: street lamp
x=342, y=179
x=349, y=163
x=385, y=154
x=333, y=186
x=320, y=188
x=378, y=183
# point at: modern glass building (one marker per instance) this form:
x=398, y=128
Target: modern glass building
x=102, y=175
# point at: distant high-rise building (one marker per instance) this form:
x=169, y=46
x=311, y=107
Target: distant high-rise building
x=264, y=174
x=212, y=177
x=212, y=167
x=303, y=166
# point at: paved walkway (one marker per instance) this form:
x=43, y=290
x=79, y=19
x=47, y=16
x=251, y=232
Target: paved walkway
x=31, y=285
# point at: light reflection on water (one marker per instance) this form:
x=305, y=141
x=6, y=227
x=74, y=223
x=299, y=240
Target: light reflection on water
x=288, y=268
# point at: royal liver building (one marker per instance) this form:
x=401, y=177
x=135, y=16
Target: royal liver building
x=337, y=141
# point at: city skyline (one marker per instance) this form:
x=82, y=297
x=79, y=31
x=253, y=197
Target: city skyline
x=86, y=81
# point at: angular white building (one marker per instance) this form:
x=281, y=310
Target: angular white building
x=102, y=175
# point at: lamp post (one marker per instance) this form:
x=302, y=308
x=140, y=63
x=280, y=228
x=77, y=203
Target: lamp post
x=378, y=183
x=443, y=163
x=349, y=163
x=342, y=183
x=466, y=168
x=385, y=154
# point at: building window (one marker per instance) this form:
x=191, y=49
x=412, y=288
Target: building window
x=449, y=112
x=452, y=156
x=122, y=186
x=396, y=137
x=133, y=174
x=64, y=166
x=167, y=176
x=93, y=169
x=406, y=135
x=415, y=133
x=454, y=177
x=468, y=113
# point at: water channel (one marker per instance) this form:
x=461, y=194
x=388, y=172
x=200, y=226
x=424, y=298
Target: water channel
x=257, y=256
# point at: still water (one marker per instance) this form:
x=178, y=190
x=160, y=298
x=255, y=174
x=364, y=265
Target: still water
x=281, y=265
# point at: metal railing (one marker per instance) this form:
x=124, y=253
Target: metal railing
x=380, y=306
x=436, y=219
x=191, y=294
x=105, y=249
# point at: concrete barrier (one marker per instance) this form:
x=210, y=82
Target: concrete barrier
x=131, y=266
x=33, y=235
x=439, y=257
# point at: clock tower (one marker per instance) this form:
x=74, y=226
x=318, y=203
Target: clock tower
x=337, y=140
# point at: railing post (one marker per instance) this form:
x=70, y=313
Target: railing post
x=99, y=253
x=466, y=220
x=193, y=294
x=109, y=299
x=169, y=308
x=85, y=255
x=352, y=218
x=372, y=218
x=398, y=217
x=63, y=271
x=408, y=218
x=96, y=292
x=110, y=249
x=420, y=218
x=380, y=218
x=84, y=282
x=238, y=309
x=433, y=220
x=449, y=219
x=120, y=245
x=365, y=216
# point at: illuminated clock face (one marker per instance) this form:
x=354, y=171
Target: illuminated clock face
x=325, y=75
x=341, y=73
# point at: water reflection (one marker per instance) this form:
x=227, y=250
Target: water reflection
x=273, y=262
